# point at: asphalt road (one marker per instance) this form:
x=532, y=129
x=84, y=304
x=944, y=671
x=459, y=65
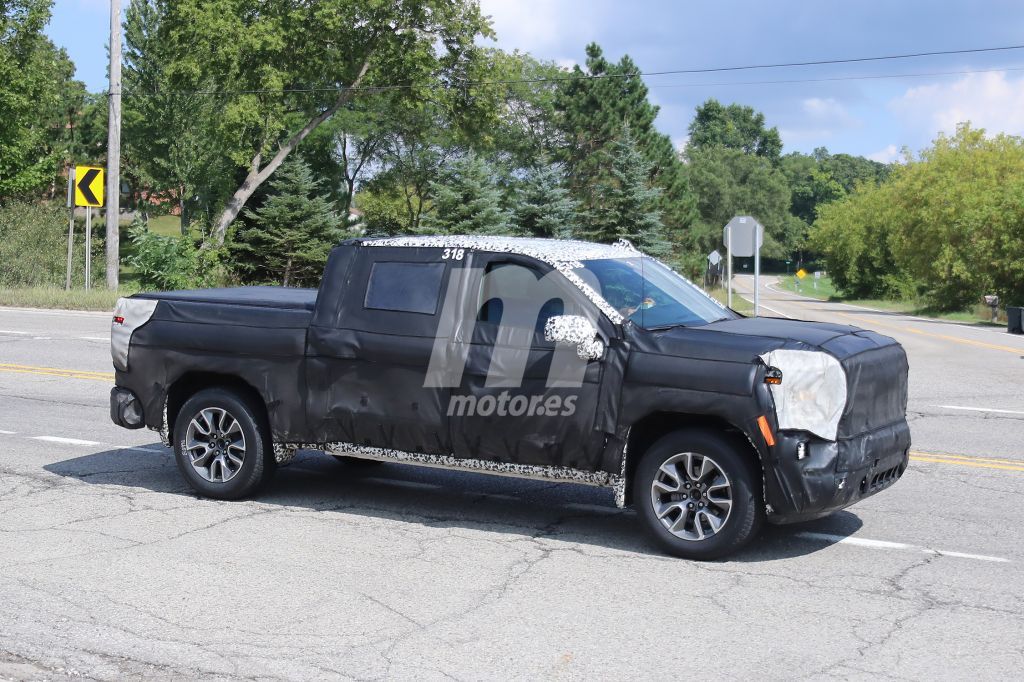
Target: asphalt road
x=111, y=568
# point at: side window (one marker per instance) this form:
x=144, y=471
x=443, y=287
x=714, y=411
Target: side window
x=404, y=287
x=514, y=294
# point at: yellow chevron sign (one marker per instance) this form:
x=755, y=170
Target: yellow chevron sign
x=89, y=186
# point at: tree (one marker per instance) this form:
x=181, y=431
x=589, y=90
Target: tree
x=629, y=203
x=293, y=231
x=734, y=127
x=467, y=200
x=592, y=115
x=170, y=145
x=285, y=68
x=730, y=182
x=36, y=89
x=542, y=206
x=948, y=225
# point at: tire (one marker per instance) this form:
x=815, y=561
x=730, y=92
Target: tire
x=237, y=463
x=726, y=513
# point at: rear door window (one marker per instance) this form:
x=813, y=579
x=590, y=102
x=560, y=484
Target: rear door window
x=404, y=287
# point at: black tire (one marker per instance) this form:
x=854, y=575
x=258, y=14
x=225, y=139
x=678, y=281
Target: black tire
x=257, y=460
x=728, y=457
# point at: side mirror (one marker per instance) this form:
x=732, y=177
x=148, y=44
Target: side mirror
x=575, y=330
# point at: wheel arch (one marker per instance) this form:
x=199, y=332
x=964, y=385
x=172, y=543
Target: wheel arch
x=190, y=383
x=646, y=431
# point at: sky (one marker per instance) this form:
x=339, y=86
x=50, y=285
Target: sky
x=875, y=117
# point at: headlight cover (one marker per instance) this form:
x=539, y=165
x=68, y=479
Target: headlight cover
x=812, y=395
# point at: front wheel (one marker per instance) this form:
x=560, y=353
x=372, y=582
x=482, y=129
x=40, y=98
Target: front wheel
x=697, y=493
x=221, y=444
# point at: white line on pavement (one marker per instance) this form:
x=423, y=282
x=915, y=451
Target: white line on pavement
x=94, y=338
x=978, y=409
x=66, y=441
x=11, y=331
x=8, y=433
x=885, y=544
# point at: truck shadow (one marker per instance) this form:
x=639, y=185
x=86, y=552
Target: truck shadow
x=558, y=512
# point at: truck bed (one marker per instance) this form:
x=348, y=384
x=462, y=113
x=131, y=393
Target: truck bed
x=264, y=297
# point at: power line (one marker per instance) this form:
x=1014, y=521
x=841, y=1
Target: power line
x=835, y=78
x=582, y=76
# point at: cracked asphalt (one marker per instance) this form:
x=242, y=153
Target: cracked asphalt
x=111, y=568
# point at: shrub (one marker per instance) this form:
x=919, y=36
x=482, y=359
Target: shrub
x=177, y=262
x=34, y=246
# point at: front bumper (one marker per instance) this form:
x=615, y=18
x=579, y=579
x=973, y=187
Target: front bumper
x=832, y=474
x=126, y=409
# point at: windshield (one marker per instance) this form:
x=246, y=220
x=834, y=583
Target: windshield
x=650, y=294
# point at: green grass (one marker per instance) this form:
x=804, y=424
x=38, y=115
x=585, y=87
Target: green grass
x=826, y=291
x=167, y=225
x=739, y=304
x=53, y=297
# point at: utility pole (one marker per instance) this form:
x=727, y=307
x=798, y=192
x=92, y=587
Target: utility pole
x=114, y=148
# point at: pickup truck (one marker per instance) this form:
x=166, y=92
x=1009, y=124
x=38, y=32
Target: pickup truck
x=553, y=359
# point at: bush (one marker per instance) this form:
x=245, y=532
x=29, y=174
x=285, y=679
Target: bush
x=34, y=247
x=167, y=263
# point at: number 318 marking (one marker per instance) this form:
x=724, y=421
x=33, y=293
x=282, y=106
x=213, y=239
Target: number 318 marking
x=453, y=254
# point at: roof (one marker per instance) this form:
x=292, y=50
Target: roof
x=547, y=250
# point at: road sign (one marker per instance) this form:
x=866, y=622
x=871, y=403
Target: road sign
x=714, y=257
x=744, y=232
x=743, y=237
x=801, y=273
x=88, y=186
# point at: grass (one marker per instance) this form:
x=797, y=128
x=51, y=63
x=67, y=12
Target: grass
x=167, y=225
x=54, y=297
x=826, y=291
x=739, y=304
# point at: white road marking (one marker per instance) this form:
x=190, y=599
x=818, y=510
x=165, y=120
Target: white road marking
x=94, y=338
x=142, y=448
x=979, y=409
x=9, y=331
x=8, y=433
x=41, y=338
x=66, y=441
x=885, y=544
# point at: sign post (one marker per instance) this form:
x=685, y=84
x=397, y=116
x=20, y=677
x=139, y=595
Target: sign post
x=88, y=193
x=71, y=225
x=743, y=237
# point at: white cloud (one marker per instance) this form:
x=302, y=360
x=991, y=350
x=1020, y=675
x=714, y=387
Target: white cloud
x=988, y=100
x=542, y=27
x=888, y=155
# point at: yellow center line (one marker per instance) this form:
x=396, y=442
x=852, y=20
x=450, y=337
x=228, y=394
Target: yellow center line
x=946, y=337
x=57, y=372
x=967, y=461
x=977, y=465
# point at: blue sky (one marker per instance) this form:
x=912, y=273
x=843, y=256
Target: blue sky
x=871, y=117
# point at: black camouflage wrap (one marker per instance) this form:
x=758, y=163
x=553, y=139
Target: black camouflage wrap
x=337, y=376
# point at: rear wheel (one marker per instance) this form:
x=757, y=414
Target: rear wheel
x=696, y=492
x=222, y=445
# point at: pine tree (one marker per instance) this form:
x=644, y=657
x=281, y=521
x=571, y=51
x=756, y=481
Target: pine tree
x=543, y=207
x=291, y=234
x=467, y=201
x=628, y=207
